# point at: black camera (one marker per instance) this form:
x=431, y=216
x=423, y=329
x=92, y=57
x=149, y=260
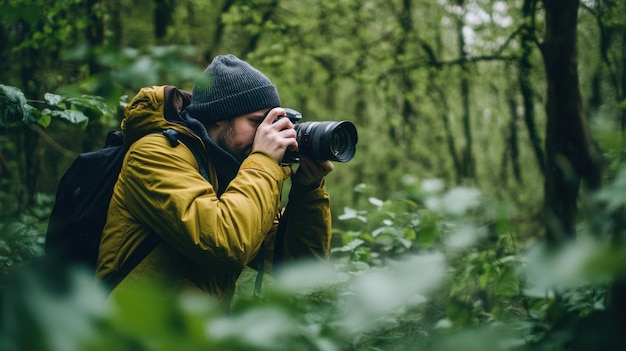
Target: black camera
x=326, y=140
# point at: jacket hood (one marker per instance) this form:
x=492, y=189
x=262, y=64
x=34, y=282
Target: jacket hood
x=154, y=109
x=158, y=108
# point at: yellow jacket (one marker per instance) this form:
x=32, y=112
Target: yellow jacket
x=205, y=240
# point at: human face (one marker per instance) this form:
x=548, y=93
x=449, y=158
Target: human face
x=236, y=135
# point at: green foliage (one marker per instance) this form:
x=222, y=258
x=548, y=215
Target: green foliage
x=126, y=71
x=76, y=110
x=467, y=286
x=21, y=238
x=47, y=20
x=15, y=109
x=416, y=264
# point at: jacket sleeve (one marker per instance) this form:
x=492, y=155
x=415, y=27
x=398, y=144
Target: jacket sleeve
x=165, y=191
x=308, y=224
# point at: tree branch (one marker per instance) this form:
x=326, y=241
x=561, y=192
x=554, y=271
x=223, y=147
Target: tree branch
x=53, y=144
x=458, y=61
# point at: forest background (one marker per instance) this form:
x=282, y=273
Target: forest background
x=484, y=206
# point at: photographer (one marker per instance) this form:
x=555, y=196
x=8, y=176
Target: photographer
x=208, y=232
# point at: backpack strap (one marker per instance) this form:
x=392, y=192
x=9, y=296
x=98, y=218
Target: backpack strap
x=133, y=261
x=152, y=241
x=174, y=137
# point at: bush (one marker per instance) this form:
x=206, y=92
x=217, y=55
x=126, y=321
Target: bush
x=428, y=269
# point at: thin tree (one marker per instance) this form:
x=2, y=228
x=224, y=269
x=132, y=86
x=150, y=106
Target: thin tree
x=525, y=67
x=468, y=162
x=163, y=18
x=572, y=156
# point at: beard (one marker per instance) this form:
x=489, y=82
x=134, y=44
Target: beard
x=226, y=140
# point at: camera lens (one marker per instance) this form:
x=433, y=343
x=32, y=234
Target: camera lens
x=335, y=145
x=335, y=141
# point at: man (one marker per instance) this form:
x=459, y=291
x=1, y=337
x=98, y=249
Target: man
x=209, y=231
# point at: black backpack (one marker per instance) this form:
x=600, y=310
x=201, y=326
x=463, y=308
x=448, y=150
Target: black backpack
x=82, y=201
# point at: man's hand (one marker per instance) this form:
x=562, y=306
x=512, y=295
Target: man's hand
x=275, y=137
x=311, y=172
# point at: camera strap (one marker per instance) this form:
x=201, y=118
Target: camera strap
x=278, y=252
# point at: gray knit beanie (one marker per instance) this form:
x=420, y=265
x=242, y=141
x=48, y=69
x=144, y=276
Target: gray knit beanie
x=233, y=88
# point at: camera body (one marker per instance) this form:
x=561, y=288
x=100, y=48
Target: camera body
x=326, y=140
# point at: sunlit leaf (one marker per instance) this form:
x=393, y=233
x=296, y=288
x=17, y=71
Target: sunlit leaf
x=261, y=327
x=72, y=116
x=376, y=232
x=53, y=99
x=349, y=213
x=458, y=200
x=465, y=236
x=376, y=202
x=12, y=102
x=360, y=188
x=614, y=195
x=406, y=243
x=565, y=268
x=307, y=275
x=383, y=291
x=444, y=323
x=432, y=185
x=349, y=246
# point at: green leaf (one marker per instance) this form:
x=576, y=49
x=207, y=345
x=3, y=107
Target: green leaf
x=484, y=276
x=614, y=195
x=75, y=117
x=507, y=283
x=458, y=200
x=376, y=232
x=12, y=102
x=351, y=246
x=90, y=102
x=406, y=243
x=428, y=229
x=53, y=99
x=44, y=121
x=350, y=213
x=33, y=115
x=91, y=106
x=361, y=254
x=457, y=312
x=410, y=233
x=26, y=12
x=376, y=202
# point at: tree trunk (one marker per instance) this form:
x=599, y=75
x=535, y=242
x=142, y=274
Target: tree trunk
x=115, y=24
x=623, y=86
x=4, y=49
x=525, y=84
x=269, y=11
x=468, y=163
x=29, y=70
x=94, y=32
x=218, y=32
x=511, y=148
x=163, y=18
x=572, y=156
x=407, y=109
x=445, y=118
x=95, y=134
